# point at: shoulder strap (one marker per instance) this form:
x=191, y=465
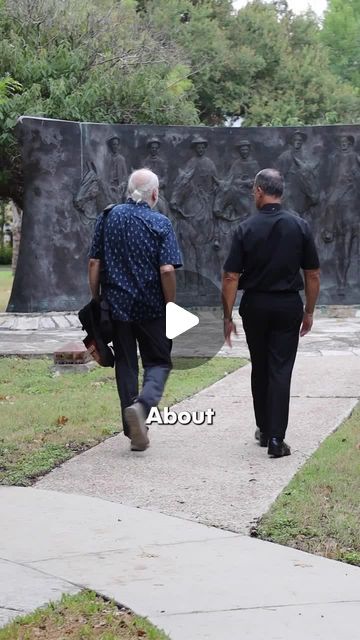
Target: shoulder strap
x=108, y=209
x=105, y=214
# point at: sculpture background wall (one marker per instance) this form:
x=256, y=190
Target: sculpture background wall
x=72, y=170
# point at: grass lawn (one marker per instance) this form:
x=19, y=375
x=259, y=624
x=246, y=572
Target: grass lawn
x=47, y=419
x=6, y=280
x=85, y=616
x=319, y=511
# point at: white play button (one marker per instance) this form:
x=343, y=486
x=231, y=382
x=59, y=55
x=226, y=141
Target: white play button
x=178, y=320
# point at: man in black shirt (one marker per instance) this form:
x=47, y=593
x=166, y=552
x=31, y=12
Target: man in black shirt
x=268, y=250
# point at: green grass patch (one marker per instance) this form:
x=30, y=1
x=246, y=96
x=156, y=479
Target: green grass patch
x=47, y=419
x=319, y=511
x=6, y=280
x=84, y=616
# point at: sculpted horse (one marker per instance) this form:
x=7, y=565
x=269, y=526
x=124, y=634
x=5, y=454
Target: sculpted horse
x=233, y=203
x=91, y=196
x=302, y=189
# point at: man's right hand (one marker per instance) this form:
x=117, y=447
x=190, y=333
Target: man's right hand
x=307, y=324
x=229, y=328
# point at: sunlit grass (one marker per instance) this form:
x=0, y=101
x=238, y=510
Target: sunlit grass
x=319, y=511
x=47, y=419
x=83, y=616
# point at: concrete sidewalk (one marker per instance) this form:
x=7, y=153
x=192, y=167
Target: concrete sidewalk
x=218, y=475
x=195, y=582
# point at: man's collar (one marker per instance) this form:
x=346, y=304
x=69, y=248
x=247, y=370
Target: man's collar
x=142, y=203
x=270, y=207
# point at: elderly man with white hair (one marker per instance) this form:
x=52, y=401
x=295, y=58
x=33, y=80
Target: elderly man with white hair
x=136, y=251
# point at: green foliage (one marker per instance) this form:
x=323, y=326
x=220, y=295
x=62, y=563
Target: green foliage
x=8, y=87
x=6, y=280
x=5, y=255
x=291, y=83
x=262, y=63
x=99, y=61
x=341, y=35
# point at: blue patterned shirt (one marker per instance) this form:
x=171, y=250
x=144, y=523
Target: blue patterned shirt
x=137, y=241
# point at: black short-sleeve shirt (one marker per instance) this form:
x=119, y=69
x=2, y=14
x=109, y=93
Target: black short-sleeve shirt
x=270, y=248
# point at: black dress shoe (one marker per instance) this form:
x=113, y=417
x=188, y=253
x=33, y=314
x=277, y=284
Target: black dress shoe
x=264, y=439
x=278, y=448
x=261, y=437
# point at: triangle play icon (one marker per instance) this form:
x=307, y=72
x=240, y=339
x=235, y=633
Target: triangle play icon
x=178, y=320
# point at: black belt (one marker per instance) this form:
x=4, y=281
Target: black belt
x=271, y=291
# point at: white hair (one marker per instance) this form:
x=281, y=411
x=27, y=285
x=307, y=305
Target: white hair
x=141, y=184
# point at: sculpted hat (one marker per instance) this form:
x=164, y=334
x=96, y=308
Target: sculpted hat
x=153, y=141
x=112, y=138
x=348, y=137
x=243, y=143
x=299, y=133
x=198, y=140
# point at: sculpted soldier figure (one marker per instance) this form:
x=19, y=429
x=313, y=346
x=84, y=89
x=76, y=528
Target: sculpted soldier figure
x=245, y=168
x=342, y=211
x=301, y=189
x=234, y=199
x=287, y=158
x=193, y=198
x=116, y=173
x=158, y=165
x=242, y=174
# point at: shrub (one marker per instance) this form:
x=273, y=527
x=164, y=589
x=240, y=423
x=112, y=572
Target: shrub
x=5, y=255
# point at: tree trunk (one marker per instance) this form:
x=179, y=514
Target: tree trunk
x=16, y=231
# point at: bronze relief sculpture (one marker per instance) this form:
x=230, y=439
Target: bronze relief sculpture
x=158, y=165
x=192, y=199
x=342, y=212
x=301, y=183
x=206, y=176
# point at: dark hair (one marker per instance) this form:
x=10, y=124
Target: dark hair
x=271, y=182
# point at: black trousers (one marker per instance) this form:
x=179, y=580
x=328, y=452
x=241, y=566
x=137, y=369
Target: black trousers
x=272, y=323
x=155, y=353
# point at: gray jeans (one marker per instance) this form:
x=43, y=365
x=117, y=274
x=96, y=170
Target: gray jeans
x=155, y=353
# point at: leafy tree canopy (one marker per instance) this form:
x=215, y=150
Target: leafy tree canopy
x=98, y=61
x=293, y=84
x=341, y=34
x=263, y=63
